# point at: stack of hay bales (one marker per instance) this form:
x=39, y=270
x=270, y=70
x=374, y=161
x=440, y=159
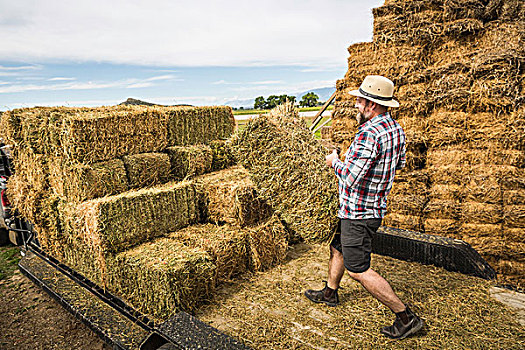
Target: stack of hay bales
x=110, y=189
x=458, y=70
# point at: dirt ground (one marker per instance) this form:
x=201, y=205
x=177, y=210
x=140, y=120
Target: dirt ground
x=31, y=319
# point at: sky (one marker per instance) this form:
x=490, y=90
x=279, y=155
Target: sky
x=200, y=52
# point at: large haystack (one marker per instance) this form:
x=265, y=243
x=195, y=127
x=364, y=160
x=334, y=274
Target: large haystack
x=458, y=70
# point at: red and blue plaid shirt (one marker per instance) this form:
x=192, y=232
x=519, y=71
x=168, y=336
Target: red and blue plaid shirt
x=367, y=174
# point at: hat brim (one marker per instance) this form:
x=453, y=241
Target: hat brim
x=390, y=103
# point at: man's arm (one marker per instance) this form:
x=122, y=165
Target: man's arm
x=403, y=158
x=359, y=161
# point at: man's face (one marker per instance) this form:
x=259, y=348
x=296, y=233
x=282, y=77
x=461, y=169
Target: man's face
x=363, y=106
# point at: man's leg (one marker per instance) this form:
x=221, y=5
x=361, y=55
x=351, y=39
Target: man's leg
x=379, y=288
x=336, y=269
x=356, y=240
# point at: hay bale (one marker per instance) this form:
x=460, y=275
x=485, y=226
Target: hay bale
x=418, y=180
x=407, y=204
x=29, y=186
x=447, y=192
x=37, y=129
x=480, y=230
x=230, y=197
x=268, y=243
x=403, y=7
x=416, y=142
x=514, y=197
x=420, y=28
x=79, y=256
x=162, y=277
x=495, y=154
x=92, y=135
x=447, y=174
x=77, y=182
x=449, y=155
x=464, y=26
x=483, y=189
x=399, y=63
x=114, y=223
x=509, y=272
x=222, y=155
x=512, y=9
x=342, y=132
x=512, y=178
x=409, y=194
x=481, y=213
x=199, y=125
x=405, y=222
x=493, y=95
x=10, y=127
x=442, y=209
x=442, y=227
x=514, y=216
x=514, y=234
x=147, y=169
x=287, y=165
x=189, y=161
x=497, y=248
x=416, y=100
x=479, y=9
x=226, y=245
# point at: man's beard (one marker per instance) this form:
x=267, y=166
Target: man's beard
x=361, y=118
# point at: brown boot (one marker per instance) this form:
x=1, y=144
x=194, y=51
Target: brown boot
x=401, y=330
x=326, y=295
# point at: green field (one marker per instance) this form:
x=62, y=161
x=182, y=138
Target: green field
x=262, y=111
x=241, y=123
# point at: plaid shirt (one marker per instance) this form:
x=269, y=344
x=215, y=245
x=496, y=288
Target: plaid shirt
x=367, y=174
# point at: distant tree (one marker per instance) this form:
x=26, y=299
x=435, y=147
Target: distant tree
x=309, y=100
x=259, y=103
x=284, y=98
x=272, y=101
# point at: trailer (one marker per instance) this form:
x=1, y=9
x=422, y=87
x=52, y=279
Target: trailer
x=123, y=327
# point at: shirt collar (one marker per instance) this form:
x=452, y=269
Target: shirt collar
x=373, y=120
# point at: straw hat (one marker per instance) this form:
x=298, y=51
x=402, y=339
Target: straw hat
x=377, y=89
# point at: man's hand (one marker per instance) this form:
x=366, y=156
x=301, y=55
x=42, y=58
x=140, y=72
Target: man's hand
x=331, y=157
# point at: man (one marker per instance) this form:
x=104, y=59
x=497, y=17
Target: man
x=365, y=179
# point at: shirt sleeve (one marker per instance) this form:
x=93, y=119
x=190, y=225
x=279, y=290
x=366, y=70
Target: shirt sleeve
x=402, y=158
x=358, y=161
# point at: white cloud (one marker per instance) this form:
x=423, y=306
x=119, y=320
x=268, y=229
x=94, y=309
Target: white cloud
x=250, y=91
x=268, y=82
x=61, y=79
x=18, y=68
x=185, y=33
x=164, y=77
x=139, y=85
x=89, y=85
